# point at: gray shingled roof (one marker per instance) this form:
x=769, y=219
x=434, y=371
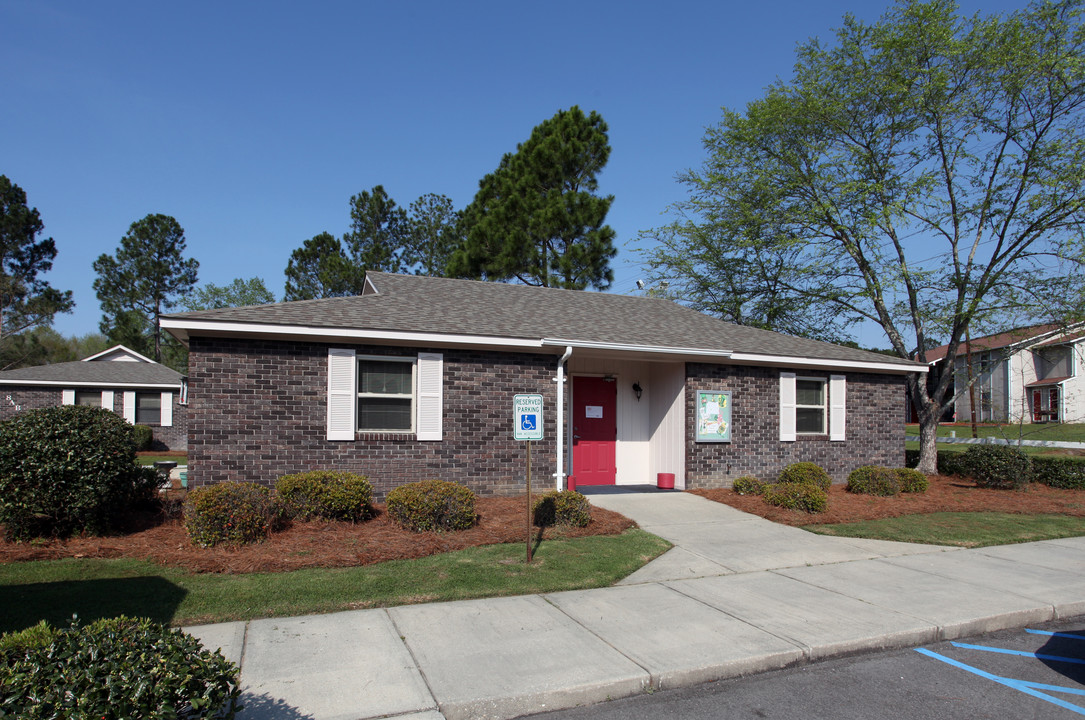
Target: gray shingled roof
x=103, y=373
x=467, y=307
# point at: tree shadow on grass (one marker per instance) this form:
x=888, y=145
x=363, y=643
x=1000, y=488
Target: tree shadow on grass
x=24, y=605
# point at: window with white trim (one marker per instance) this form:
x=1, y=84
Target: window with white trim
x=89, y=397
x=148, y=408
x=811, y=407
x=386, y=394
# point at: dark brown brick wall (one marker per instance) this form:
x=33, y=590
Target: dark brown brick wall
x=258, y=411
x=875, y=433
x=14, y=399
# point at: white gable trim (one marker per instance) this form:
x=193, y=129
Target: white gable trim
x=123, y=350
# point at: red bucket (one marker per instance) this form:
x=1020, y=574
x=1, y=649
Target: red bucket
x=570, y=483
x=665, y=481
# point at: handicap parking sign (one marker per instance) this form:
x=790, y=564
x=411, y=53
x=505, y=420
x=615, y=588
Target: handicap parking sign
x=527, y=417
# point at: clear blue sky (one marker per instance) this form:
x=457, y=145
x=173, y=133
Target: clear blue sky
x=254, y=123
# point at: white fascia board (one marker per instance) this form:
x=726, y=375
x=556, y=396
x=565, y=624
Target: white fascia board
x=92, y=384
x=587, y=345
x=130, y=351
x=794, y=361
x=235, y=328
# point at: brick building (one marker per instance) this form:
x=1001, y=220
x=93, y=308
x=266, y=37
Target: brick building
x=135, y=387
x=415, y=379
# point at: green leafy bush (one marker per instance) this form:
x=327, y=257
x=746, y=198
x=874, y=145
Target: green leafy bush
x=432, y=505
x=143, y=437
x=808, y=473
x=115, y=668
x=873, y=480
x=949, y=462
x=797, y=496
x=561, y=507
x=911, y=480
x=748, y=485
x=67, y=469
x=325, y=494
x=1002, y=467
x=16, y=645
x=1067, y=473
x=230, y=512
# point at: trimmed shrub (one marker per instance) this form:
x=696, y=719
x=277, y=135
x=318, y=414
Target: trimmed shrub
x=325, y=494
x=1001, y=467
x=748, y=485
x=873, y=480
x=561, y=507
x=68, y=469
x=1067, y=473
x=911, y=481
x=16, y=645
x=115, y=668
x=432, y=505
x=806, y=473
x=230, y=512
x=143, y=436
x=949, y=462
x=797, y=496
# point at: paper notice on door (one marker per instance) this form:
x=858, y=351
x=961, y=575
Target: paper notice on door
x=593, y=411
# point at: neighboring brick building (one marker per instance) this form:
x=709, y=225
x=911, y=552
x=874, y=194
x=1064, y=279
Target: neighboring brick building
x=138, y=389
x=415, y=379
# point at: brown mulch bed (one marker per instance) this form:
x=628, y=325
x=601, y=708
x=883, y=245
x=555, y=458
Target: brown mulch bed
x=946, y=494
x=307, y=544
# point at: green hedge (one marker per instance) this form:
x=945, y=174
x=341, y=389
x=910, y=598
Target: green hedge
x=1001, y=467
x=803, y=496
x=911, y=480
x=1059, y=472
x=949, y=462
x=561, y=507
x=432, y=505
x=114, y=668
x=68, y=469
x=873, y=480
x=230, y=512
x=806, y=473
x=747, y=485
x=325, y=494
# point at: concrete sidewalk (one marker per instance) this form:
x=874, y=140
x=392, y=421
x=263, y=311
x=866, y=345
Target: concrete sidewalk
x=737, y=595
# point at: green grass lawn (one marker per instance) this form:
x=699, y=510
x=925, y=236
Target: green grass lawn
x=978, y=529
x=1060, y=432
x=93, y=588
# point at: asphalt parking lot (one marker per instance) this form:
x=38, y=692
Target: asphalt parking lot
x=1037, y=672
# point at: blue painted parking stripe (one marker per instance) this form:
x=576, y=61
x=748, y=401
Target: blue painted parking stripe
x=1019, y=685
x=1022, y=653
x=1056, y=634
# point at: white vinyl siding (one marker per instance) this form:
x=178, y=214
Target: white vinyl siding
x=838, y=392
x=787, y=406
x=342, y=375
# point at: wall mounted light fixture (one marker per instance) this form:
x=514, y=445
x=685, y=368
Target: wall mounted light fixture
x=637, y=390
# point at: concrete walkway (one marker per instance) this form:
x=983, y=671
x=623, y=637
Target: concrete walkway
x=737, y=595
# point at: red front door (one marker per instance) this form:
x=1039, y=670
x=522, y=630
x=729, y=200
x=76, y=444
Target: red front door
x=595, y=430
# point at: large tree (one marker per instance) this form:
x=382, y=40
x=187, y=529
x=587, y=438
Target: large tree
x=537, y=218
x=925, y=173
x=379, y=232
x=320, y=269
x=434, y=234
x=26, y=300
x=143, y=280
x=238, y=293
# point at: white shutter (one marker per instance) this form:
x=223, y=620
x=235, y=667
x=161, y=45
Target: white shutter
x=107, y=400
x=838, y=391
x=342, y=394
x=787, y=407
x=130, y=406
x=167, y=409
x=67, y=397
x=429, y=423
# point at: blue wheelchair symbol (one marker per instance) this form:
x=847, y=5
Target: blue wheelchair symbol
x=527, y=422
